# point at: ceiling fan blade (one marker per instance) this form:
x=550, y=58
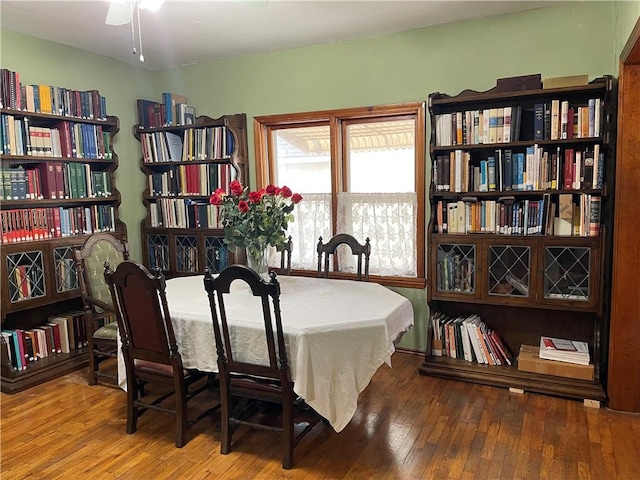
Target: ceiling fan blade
x=118, y=13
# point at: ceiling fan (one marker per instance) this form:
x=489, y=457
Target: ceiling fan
x=121, y=12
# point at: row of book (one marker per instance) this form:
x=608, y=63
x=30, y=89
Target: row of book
x=559, y=120
x=49, y=99
x=474, y=127
x=172, y=111
x=61, y=334
x=468, y=338
x=64, y=140
x=196, y=179
x=54, y=180
x=32, y=224
x=534, y=169
x=193, y=144
x=566, y=215
x=158, y=253
x=183, y=213
x=555, y=120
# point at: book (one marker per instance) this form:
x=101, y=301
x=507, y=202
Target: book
x=562, y=350
x=595, y=205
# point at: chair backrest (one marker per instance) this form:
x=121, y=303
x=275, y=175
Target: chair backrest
x=97, y=250
x=328, y=249
x=143, y=314
x=285, y=258
x=230, y=359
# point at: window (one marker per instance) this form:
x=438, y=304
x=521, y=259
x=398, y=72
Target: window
x=360, y=171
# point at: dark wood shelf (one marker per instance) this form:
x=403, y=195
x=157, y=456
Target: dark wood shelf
x=523, y=286
x=511, y=377
x=42, y=370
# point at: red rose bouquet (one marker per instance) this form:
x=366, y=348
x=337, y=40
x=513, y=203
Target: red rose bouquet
x=255, y=220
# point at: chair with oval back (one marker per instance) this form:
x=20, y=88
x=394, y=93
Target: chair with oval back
x=101, y=325
x=357, y=249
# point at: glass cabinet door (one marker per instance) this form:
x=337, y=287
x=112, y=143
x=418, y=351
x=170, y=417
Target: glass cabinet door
x=158, y=251
x=65, y=267
x=25, y=276
x=456, y=268
x=216, y=254
x=567, y=273
x=186, y=254
x=509, y=271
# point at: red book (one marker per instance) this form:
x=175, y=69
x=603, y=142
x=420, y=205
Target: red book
x=568, y=168
x=66, y=146
x=56, y=222
x=59, y=179
x=48, y=180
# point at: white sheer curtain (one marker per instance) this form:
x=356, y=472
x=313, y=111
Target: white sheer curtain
x=312, y=220
x=389, y=220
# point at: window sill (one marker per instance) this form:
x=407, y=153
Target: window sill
x=403, y=282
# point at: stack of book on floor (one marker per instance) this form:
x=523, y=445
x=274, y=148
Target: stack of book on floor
x=558, y=357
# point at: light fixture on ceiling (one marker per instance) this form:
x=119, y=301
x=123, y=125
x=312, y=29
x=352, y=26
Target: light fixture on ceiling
x=122, y=12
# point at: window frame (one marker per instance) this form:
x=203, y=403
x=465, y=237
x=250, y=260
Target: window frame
x=265, y=154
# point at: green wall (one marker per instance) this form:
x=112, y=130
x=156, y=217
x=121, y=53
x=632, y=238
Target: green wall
x=405, y=67
x=625, y=16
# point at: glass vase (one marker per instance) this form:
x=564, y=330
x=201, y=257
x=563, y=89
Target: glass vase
x=257, y=260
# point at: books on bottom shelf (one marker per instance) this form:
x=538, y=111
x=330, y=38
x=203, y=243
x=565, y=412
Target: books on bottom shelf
x=62, y=333
x=561, y=350
x=467, y=337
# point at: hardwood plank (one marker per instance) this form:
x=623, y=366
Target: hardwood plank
x=407, y=426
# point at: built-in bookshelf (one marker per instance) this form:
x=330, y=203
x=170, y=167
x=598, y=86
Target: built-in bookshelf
x=185, y=161
x=519, y=235
x=57, y=188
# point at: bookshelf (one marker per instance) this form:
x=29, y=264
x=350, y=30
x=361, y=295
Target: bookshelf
x=58, y=187
x=519, y=233
x=184, y=164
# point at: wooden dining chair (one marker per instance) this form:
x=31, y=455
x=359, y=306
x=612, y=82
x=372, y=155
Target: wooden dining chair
x=329, y=249
x=244, y=379
x=101, y=327
x=149, y=348
x=285, y=257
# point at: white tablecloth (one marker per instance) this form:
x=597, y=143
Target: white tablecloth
x=338, y=332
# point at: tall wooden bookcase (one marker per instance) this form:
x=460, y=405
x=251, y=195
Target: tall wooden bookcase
x=505, y=258
x=184, y=165
x=42, y=224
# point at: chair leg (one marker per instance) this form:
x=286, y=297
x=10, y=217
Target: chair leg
x=181, y=413
x=132, y=411
x=287, y=433
x=225, y=429
x=93, y=364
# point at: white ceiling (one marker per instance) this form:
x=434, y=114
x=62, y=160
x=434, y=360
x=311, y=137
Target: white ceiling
x=184, y=32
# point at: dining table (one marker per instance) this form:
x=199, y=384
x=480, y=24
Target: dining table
x=337, y=334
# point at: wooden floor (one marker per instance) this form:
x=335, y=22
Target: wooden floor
x=407, y=426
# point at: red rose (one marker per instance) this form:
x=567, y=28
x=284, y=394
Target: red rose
x=215, y=199
x=235, y=188
x=219, y=192
x=296, y=198
x=285, y=192
x=270, y=190
x=277, y=192
x=243, y=206
x=254, y=197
